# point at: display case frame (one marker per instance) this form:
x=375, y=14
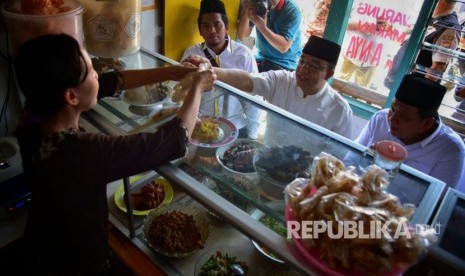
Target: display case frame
x=112, y=116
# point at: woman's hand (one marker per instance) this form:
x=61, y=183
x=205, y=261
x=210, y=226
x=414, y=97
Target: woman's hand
x=180, y=71
x=197, y=61
x=204, y=79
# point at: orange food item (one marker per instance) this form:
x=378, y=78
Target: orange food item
x=43, y=7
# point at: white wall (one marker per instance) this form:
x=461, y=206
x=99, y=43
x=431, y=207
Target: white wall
x=151, y=33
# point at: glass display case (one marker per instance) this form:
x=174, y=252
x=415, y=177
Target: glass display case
x=233, y=196
x=447, y=256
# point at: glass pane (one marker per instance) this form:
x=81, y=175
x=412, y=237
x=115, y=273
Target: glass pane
x=453, y=104
x=454, y=237
x=375, y=32
x=314, y=15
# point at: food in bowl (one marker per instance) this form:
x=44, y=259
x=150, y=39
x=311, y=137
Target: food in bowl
x=239, y=156
x=336, y=195
x=206, y=130
x=273, y=224
x=283, y=164
x=220, y=264
x=148, y=197
x=225, y=260
x=148, y=95
x=177, y=230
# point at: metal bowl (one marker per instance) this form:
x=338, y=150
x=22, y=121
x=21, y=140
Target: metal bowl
x=277, y=205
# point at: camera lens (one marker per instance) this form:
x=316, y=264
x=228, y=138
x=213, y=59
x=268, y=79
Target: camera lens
x=261, y=8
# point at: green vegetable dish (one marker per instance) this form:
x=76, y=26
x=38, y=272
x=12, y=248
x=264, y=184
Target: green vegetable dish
x=219, y=265
x=274, y=225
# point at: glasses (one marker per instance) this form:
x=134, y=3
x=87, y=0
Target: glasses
x=312, y=65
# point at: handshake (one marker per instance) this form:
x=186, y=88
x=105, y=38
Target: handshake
x=197, y=61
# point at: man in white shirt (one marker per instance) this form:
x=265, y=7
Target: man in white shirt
x=304, y=92
x=413, y=121
x=225, y=53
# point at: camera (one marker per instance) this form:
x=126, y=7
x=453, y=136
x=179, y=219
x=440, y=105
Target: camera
x=261, y=6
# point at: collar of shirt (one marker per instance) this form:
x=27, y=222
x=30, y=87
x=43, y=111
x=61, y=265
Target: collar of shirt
x=427, y=140
x=312, y=97
x=423, y=143
x=229, y=48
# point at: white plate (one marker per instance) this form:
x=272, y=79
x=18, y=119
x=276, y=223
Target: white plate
x=228, y=133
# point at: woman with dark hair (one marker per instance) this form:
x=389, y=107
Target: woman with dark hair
x=68, y=168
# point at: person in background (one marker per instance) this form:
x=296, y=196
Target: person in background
x=304, y=92
x=224, y=52
x=445, y=32
x=358, y=62
x=67, y=168
x=278, y=33
x=459, y=96
x=413, y=121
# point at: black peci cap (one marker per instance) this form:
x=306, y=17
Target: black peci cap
x=212, y=6
x=420, y=92
x=322, y=48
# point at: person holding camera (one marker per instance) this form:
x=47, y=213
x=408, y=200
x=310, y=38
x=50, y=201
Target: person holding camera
x=277, y=25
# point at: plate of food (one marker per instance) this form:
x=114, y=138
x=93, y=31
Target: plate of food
x=147, y=198
x=276, y=226
x=177, y=230
x=150, y=95
x=213, y=132
x=224, y=260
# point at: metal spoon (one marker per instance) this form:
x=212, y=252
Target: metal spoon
x=237, y=270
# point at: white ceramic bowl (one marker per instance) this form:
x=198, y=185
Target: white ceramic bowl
x=257, y=215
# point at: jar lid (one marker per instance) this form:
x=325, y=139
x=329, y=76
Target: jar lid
x=391, y=151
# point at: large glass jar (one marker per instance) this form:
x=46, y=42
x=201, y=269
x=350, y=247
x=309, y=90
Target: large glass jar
x=24, y=23
x=112, y=27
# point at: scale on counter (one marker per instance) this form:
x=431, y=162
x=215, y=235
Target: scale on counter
x=15, y=195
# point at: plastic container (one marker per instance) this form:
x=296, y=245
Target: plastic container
x=22, y=27
x=112, y=28
x=389, y=155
